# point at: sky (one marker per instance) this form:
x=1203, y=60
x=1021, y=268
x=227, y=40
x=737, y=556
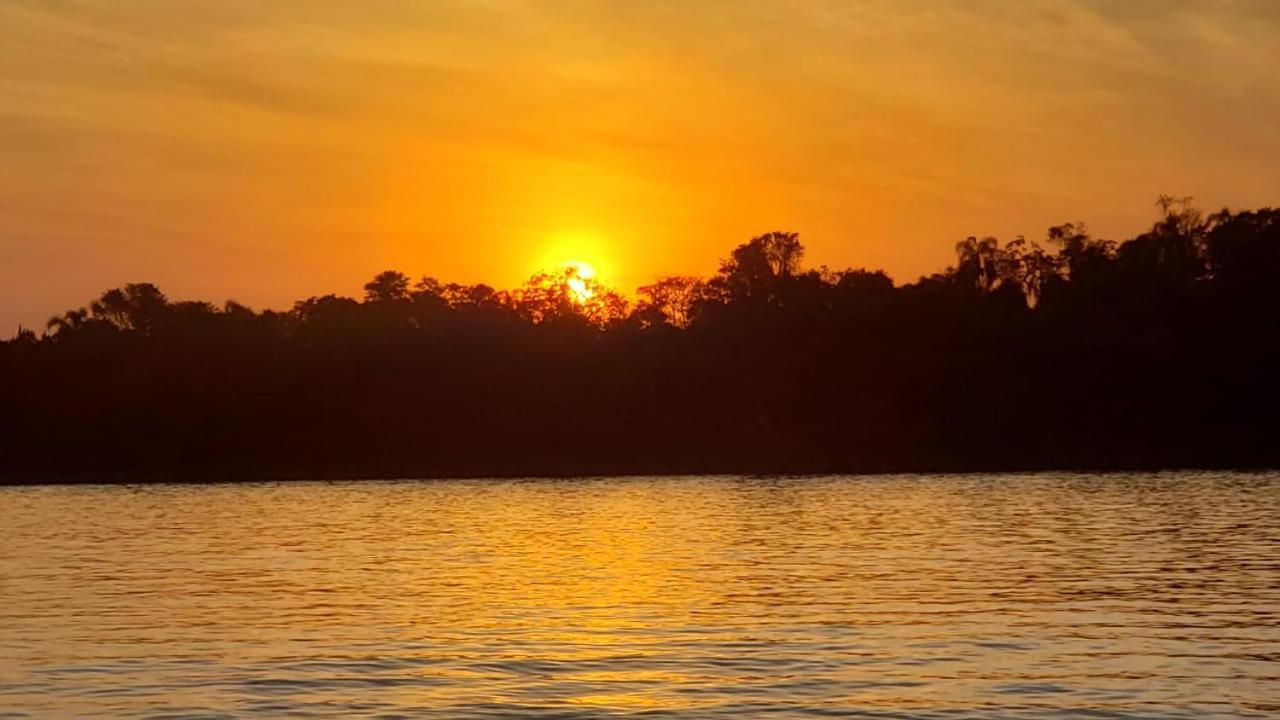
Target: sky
x=270, y=151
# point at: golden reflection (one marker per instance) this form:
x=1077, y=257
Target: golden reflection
x=704, y=595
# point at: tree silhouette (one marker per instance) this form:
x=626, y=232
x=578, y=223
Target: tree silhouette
x=567, y=293
x=754, y=268
x=1072, y=352
x=387, y=287
x=671, y=300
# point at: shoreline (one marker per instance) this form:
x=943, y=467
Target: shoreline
x=224, y=477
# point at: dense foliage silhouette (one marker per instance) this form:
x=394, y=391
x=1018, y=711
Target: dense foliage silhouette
x=1072, y=352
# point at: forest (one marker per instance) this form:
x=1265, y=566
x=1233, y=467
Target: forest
x=1065, y=352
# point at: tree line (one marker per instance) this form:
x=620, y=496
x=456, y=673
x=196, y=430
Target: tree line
x=1066, y=352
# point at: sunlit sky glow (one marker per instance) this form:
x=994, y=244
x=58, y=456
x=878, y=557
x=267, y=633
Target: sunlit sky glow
x=266, y=151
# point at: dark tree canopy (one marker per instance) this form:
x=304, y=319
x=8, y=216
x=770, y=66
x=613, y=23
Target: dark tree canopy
x=1068, y=352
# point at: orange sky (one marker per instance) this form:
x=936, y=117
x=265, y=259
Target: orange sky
x=267, y=151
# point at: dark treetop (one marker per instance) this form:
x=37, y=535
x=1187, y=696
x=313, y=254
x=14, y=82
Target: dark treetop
x=1072, y=353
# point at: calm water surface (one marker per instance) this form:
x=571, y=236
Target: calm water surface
x=1042, y=596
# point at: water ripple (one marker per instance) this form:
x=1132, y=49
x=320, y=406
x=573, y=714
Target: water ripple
x=1039, y=596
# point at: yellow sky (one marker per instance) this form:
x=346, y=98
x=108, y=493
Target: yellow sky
x=267, y=151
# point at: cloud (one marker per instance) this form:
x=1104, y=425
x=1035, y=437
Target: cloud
x=333, y=127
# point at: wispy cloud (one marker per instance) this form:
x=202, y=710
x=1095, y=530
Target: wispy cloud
x=337, y=131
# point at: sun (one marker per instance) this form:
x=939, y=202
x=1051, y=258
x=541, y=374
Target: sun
x=578, y=277
x=584, y=270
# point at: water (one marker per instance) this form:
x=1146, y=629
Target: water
x=886, y=597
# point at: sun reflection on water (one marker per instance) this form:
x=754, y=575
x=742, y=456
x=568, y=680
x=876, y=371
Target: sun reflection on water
x=716, y=597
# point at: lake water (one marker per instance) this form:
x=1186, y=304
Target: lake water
x=1120, y=596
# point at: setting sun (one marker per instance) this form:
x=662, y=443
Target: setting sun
x=584, y=270
x=579, y=273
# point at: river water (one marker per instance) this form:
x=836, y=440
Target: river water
x=1039, y=596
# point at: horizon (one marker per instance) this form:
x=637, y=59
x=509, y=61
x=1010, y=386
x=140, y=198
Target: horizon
x=286, y=151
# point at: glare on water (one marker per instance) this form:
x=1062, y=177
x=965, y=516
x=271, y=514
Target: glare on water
x=974, y=596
